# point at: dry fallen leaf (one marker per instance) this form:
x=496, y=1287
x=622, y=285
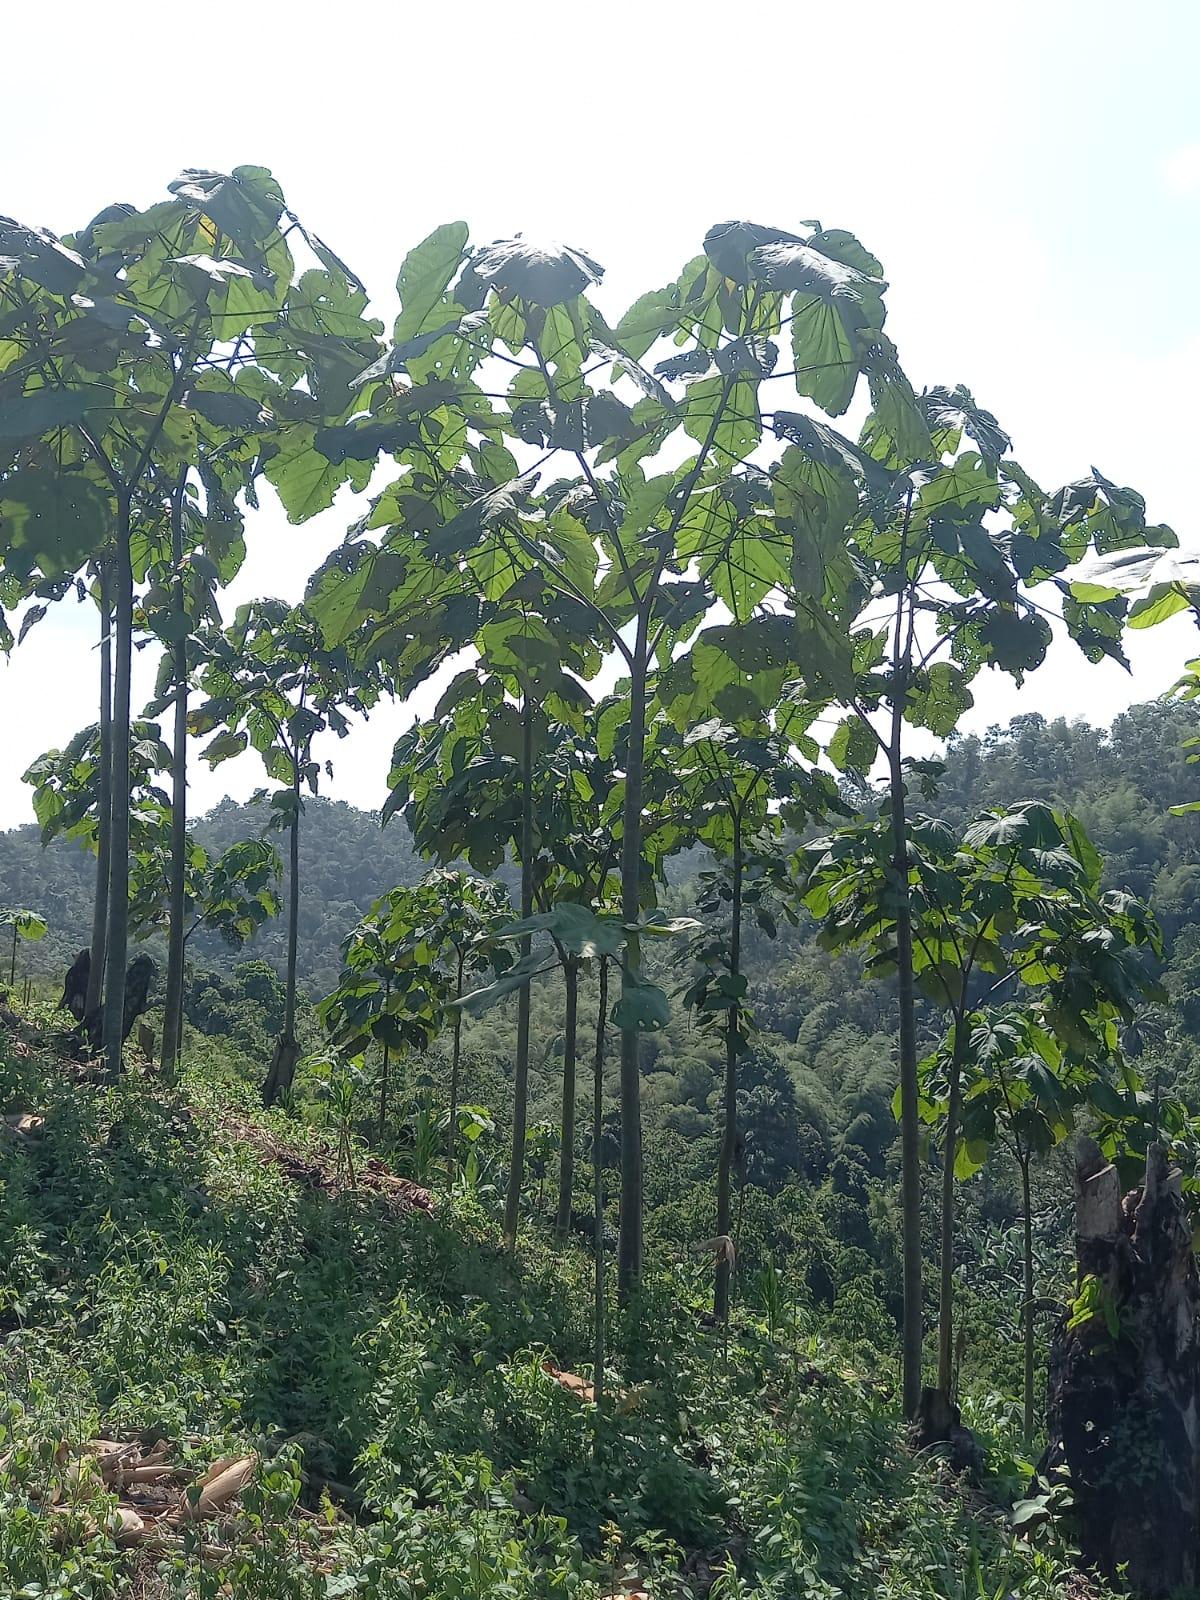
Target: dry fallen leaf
x=571, y=1382
x=152, y=1472
x=223, y=1480
x=720, y=1249
x=125, y=1526
x=25, y=1124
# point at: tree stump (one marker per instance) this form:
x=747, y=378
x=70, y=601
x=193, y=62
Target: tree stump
x=1124, y=1390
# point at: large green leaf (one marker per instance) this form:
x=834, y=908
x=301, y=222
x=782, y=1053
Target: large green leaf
x=39, y=257
x=540, y=275
x=28, y=416
x=730, y=246
x=643, y=1006
x=424, y=277
x=576, y=927
x=52, y=520
x=245, y=204
x=853, y=747
x=305, y=479
x=517, y=976
x=837, y=312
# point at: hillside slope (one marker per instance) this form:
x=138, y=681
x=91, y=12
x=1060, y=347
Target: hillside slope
x=164, y=1277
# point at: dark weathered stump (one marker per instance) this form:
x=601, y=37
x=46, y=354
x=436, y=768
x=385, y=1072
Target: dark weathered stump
x=1124, y=1389
x=938, y=1424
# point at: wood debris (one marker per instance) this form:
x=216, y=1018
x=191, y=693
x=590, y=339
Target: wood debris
x=155, y=1496
x=583, y=1391
x=321, y=1176
x=23, y=1126
x=223, y=1480
x=626, y=1400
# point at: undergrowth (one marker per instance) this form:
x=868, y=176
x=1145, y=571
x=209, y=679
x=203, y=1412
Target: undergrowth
x=157, y=1277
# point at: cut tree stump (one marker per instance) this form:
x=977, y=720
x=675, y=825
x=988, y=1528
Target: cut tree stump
x=1124, y=1387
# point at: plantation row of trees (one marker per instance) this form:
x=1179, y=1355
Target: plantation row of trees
x=553, y=497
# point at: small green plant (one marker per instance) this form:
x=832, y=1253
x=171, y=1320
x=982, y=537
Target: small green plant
x=24, y=925
x=1094, y=1305
x=341, y=1085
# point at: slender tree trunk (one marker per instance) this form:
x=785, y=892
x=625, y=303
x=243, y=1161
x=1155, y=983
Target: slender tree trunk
x=910, y=1133
x=455, y=1071
x=1027, y=1309
x=516, y=1171
x=12, y=971
x=183, y=993
x=910, y=1146
x=118, y=890
x=95, y=988
x=629, y=1247
x=383, y=1094
x=289, y=1003
x=173, y=1006
x=946, y=1291
x=283, y=1063
x=566, y=1157
x=384, y=1068
x=598, y=1187
x=733, y=1046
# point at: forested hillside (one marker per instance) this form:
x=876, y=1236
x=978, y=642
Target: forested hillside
x=816, y=1096
x=815, y=1209
x=688, y=1145
x=828, y=1029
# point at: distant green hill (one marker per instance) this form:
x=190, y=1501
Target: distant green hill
x=826, y=1040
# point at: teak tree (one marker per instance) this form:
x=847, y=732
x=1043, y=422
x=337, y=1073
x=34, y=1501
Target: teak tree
x=466, y=781
x=273, y=684
x=947, y=536
x=577, y=864
x=25, y=925
x=119, y=349
x=632, y=562
x=450, y=923
x=471, y=913
x=1013, y=906
x=1025, y=1086
x=720, y=780
x=392, y=989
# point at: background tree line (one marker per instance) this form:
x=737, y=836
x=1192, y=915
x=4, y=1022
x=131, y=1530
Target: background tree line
x=571, y=494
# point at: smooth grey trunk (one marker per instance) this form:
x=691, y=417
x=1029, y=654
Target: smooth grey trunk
x=946, y=1290
x=516, y=1171
x=629, y=1245
x=598, y=1189
x=729, y=1132
x=283, y=1063
x=118, y=886
x=910, y=1132
x=1027, y=1317
x=384, y=1070
x=176, y=934
x=455, y=1073
x=910, y=1147
x=289, y=1004
x=95, y=988
x=566, y=1156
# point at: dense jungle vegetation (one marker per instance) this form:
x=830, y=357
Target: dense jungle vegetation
x=593, y=1180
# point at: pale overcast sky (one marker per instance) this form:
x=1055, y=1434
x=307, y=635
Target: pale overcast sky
x=1029, y=175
